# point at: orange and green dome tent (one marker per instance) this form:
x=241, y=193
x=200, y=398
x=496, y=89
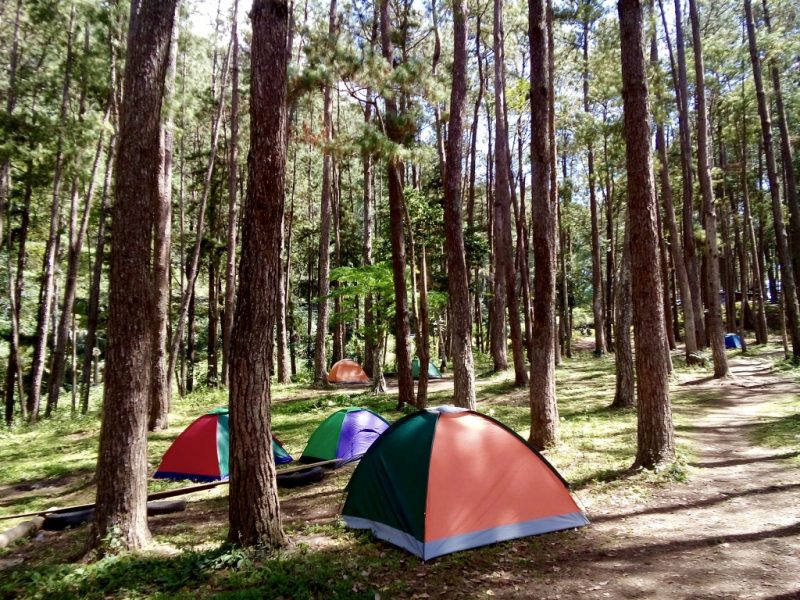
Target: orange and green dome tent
x=447, y=479
x=347, y=371
x=200, y=452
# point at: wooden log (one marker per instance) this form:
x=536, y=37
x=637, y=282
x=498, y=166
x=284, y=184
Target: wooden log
x=20, y=531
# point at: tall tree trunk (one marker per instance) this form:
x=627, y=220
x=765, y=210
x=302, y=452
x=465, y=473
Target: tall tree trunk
x=47, y=291
x=597, y=270
x=370, y=335
x=610, y=310
x=505, y=293
x=90, y=341
x=655, y=434
x=193, y=261
x=424, y=347
x=544, y=411
x=782, y=243
x=675, y=244
x=11, y=100
x=121, y=509
x=458, y=287
x=71, y=283
x=787, y=158
x=396, y=212
x=323, y=281
x=624, y=392
x=689, y=247
x=233, y=195
x=254, y=512
x=714, y=331
x=16, y=286
x=161, y=377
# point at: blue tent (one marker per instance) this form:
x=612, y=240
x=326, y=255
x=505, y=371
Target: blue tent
x=433, y=372
x=733, y=342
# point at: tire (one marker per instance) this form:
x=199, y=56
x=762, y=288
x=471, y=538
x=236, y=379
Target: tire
x=301, y=478
x=67, y=520
x=165, y=507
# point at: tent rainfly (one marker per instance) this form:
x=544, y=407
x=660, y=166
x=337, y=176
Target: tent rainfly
x=200, y=452
x=447, y=479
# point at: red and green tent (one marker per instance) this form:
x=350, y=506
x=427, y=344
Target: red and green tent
x=345, y=435
x=200, y=452
x=447, y=479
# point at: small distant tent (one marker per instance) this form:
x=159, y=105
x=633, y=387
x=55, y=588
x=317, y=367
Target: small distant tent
x=347, y=371
x=433, y=372
x=733, y=341
x=447, y=479
x=345, y=435
x=200, y=452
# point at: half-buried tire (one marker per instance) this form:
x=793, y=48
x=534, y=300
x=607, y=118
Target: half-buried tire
x=64, y=520
x=301, y=478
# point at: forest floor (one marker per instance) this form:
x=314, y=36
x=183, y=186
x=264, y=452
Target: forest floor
x=723, y=523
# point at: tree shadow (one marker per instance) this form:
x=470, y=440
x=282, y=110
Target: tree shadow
x=674, y=508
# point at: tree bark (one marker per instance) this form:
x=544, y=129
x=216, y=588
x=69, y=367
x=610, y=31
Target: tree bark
x=323, y=281
x=624, y=392
x=787, y=158
x=505, y=292
x=655, y=434
x=254, y=511
x=161, y=378
x=689, y=246
x=47, y=291
x=233, y=196
x=782, y=243
x=394, y=168
x=714, y=331
x=544, y=411
x=121, y=509
x=458, y=286
x=594, y=210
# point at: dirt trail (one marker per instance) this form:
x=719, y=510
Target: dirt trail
x=732, y=532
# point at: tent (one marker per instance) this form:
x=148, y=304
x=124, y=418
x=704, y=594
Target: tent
x=733, y=341
x=200, y=452
x=347, y=371
x=345, y=435
x=433, y=372
x=447, y=479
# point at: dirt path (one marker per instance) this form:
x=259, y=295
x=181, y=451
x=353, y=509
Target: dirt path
x=732, y=532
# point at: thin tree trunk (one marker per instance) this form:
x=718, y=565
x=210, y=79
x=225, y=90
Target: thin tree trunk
x=714, y=331
x=161, y=377
x=323, y=282
x=782, y=243
x=233, y=188
x=505, y=293
x=689, y=247
x=396, y=202
x=458, y=287
x=594, y=210
x=90, y=341
x=655, y=434
x=71, y=283
x=47, y=291
x=193, y=261
x=624, y=392
x=424, y=346
x=544, y=411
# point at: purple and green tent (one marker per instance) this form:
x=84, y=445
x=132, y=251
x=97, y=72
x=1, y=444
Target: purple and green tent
x=345, y=435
